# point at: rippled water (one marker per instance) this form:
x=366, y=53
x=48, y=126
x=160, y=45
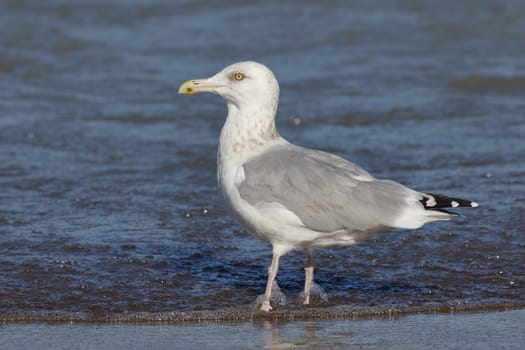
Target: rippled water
x=108, y=200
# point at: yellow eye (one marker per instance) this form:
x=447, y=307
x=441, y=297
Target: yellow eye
x=238, y=76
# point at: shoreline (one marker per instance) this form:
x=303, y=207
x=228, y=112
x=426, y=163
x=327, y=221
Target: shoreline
x=473, y=330
x=248, y=314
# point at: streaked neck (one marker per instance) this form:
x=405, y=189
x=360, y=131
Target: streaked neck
x=246, y=130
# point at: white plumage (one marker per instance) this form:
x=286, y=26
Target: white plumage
x=295, y=197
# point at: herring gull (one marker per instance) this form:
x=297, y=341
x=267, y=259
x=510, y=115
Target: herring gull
x=294, y=197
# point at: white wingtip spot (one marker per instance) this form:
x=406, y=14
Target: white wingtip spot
x=454, y=204
x=474, y=204
x=431, y=201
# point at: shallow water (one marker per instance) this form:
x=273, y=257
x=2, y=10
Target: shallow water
x=489, y=330
x=108, y=201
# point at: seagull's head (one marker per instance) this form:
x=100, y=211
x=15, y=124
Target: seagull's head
x=243, y=84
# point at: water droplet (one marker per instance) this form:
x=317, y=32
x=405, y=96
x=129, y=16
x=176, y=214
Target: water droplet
x=296, y=120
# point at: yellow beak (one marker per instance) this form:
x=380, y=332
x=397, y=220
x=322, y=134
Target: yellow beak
x=197, y=85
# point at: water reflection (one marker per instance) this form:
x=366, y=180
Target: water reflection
x=305, y=334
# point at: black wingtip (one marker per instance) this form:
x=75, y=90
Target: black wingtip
x=437, y=201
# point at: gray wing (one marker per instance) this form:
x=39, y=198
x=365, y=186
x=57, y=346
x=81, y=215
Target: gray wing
x=326, y=192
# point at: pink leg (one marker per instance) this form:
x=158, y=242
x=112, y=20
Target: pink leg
x=272, y=272
x=308, y=277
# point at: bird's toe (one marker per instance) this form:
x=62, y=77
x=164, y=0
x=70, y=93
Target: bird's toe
x=266, y=306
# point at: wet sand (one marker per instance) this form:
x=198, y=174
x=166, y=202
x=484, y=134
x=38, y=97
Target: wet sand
x=486, y=330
